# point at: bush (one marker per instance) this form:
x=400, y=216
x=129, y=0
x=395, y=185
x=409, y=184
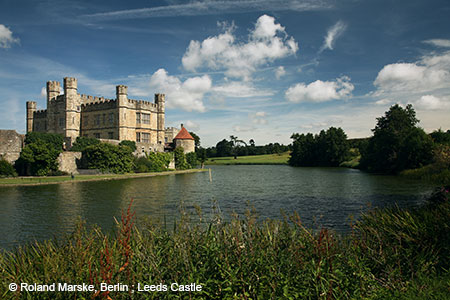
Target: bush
x=191, y=159
x=82, y=143
x=38, y=159
x=131, y=144
x=7, y=169
x=180, y=159
x=108, y=158
x=56, y=140
x=153, y=162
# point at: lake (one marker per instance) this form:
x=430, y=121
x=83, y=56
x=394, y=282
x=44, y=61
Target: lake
x=321, y=196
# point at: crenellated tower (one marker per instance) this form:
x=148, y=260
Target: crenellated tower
x=122, y=104
x=31, y=108
x=160, y=100
x=72, y=109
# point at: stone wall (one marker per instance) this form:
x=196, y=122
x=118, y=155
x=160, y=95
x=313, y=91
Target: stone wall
x=188, y=145
x=67, y=162
x=11, y=144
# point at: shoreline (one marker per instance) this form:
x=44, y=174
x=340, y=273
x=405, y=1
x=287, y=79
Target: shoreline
x=46, y=180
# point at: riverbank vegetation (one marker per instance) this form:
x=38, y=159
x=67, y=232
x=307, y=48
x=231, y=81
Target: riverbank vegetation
x=266, y=159
x=390, y=254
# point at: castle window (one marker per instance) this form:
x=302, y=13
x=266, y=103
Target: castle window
x=73, y=120
x=146, y=118
x=111, y=118
x=104, y=119
x=78, y=108
x=110, y=135
x=97, y=135
x=86, y=120
x=138, y=118
x=145, y=137
x=138, y=137
x=97, y=120
x=61, y=122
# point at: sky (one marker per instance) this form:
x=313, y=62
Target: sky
x=255, y=69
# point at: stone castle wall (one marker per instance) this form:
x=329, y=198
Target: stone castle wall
x=11, y=144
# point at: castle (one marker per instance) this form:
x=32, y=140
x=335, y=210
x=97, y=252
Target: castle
x=72, y=115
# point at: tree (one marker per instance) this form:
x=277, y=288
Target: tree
x=180, y=159
x=201, y=155
x=224, y=148
x=328, y=149
x=130, y=144
x=6, y=168
x=82, y=142
x=38, y=159
x=397, y=143
x=108, y=158
x=55, y=140
x=191, y=159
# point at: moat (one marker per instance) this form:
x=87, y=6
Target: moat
x=321, y=196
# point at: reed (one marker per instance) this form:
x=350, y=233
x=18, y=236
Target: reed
x=390, y=254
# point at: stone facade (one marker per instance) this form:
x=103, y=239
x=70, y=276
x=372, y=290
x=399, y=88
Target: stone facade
x=185, y=140
x=71, y=115
x=11, y=144
x=67, y=162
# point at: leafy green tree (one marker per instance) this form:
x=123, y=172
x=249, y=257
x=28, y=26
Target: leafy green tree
x=56, y=140
x=224, y=148
x=130, y=144
x=201, y=155
x=152, y=162
x=82, y=142
x=191, y=159
x=108, y=158
x=397, y=143
x=441, y=137
x=180, y=159
x=38, y=159
x=7, y=169
x=328, y=149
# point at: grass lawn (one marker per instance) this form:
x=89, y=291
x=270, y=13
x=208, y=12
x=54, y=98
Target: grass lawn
x=59, y=179
x=267, y=159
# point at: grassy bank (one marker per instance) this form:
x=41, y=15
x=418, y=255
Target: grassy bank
x=29, y=180
x=391, y=254
x=266, y=159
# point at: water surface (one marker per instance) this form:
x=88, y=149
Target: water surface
x=321, y=196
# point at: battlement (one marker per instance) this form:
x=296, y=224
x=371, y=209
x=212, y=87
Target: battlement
x=142, y=104
x=40, y=114
x=70, y=83
x=98, y=103
x=88, y=99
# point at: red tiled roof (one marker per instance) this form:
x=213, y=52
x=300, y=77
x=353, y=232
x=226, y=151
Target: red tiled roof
x=183, y=135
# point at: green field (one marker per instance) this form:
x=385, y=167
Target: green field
x=267, y=159
x=80, y=178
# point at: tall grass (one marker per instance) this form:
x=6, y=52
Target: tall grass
x=390, y=254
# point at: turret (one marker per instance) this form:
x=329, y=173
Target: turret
x=53, y=90
x=73, y=110
x=31, y=108
x=160, y=100
x=122, y=102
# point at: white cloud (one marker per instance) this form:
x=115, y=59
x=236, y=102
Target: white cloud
x=243, y=128
x=266, y=43
x=333, y=34
x=187, y=95
x=258, y=118
x=320, y=91
x=211, y=7
x=438, y=43
x=238, y=89
x=430, y=102
x=430, y=73
x=6, y=37
x=280, y=72
x=384, y=101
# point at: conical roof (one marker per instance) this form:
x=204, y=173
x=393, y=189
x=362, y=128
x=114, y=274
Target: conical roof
x=183, y=134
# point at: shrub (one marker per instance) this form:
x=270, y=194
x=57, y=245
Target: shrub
x=131, y=144
x=180, y=159
x=7, y=169
x=108, y=158
x=153, y=162
x=38, y=159
x=56, y=140
x=191, y=159
x=82, y=143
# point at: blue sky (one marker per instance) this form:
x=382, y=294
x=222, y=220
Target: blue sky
x=256, y=69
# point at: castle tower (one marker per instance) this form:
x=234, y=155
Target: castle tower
x=122, y=104
x=72, y=109
x=160, y=100
x=53, y=89
x=31, y=108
